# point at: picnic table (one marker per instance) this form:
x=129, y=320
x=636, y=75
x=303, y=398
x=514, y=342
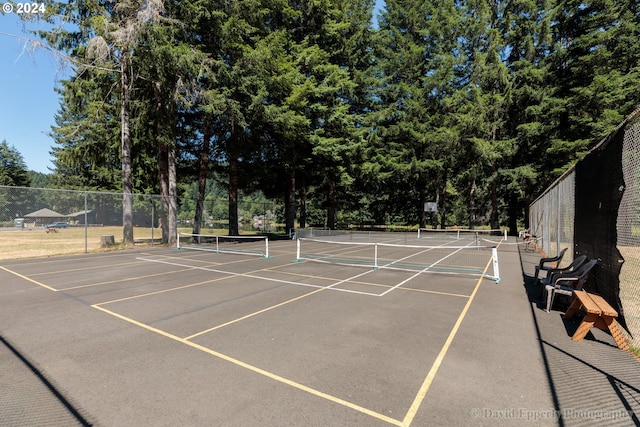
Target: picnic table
x=599, y=314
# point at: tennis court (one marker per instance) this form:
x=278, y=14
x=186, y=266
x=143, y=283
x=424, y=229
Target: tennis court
x=164, y=336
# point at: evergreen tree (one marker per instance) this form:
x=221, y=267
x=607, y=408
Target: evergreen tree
x=595, y=66
x=418, y=66
x=486, y=132
x=527, y=32
x=86, y=154
x=108, y=33
x=13, y=170
x=469, y=104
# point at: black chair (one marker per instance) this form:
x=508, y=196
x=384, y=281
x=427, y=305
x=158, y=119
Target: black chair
x=568, y=282
x=545, y=263
x=577, y=262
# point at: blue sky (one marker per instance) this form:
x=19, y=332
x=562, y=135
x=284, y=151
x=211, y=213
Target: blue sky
x=28, y=101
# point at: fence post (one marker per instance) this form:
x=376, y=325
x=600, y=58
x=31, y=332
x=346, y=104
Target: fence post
x=86, y=226
x=153, y=221
x=496, y=268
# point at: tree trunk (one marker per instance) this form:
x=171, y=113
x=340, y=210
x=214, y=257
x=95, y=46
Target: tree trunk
x=513, y=214
x=127, y=182
x=233, y=195
x=290, y=202
x=494, y=220
x=472, y=204
x=172, y=214
x=527, y=219
x=443, y=202
x=331, y=205
x=422, y=198
x=234, y=179
x=203, y=171
x=163, y=177
x=303, y=202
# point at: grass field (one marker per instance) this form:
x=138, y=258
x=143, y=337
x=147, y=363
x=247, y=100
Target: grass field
x=32, y=242
x=36, y=242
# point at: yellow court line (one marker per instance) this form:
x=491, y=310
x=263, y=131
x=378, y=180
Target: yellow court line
x=111, y=282
x=187, y=258
x=277, y=270
x=426, y=385
x=178, y=288
x=229, y=275
x=72, y=270
x=204, y=253
x=287, y=302
x=358, y=282
x=55, y=259
x=426, y=291
x=257, y=370
x=255, y=313
x=411, y=413
x=422, y=392
x=313, y=276
x=28, y=279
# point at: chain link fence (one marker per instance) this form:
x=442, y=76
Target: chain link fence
x=594, y=209
x=552, y=215
x=258, y=216
x=628, y=229
x=42, y=222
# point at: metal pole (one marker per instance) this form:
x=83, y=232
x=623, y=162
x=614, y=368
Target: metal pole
x=375, y=256
x=153, y=220
x=496, y=270
x=86, y=225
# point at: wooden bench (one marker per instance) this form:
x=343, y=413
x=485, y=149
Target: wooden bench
x=599, y=315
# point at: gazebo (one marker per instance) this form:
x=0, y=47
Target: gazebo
x=80, y=216
x=45, y=216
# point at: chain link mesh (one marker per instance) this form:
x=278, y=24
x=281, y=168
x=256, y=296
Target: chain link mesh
x=42, y=222
x=86, y=216
x=552, y=217
x=628, y=229
x=552, y=220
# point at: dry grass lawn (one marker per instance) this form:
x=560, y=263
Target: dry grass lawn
x=36, y=242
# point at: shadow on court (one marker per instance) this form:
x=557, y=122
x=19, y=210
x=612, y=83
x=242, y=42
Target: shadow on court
x=592, y=382
x=177, y=337
x=28, y=398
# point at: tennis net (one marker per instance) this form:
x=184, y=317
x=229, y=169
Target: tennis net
x=243, y=245
x=353, y=235
x=461, y=233
x=468, y=260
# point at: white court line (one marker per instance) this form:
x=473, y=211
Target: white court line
x=419, y=272
x=367, y=244
x=288, y=282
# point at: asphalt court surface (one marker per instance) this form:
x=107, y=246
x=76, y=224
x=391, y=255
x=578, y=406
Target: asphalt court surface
x=334, y=345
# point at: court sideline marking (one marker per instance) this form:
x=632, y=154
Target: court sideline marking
x=420, y=396
x=269, y=279
x=28, y=279
x=426, y=385
x=258, y=370
x=418, y=273
x=410, y=415
x=237, y=362
x=276, y=306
